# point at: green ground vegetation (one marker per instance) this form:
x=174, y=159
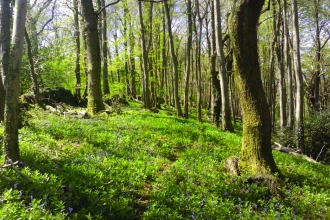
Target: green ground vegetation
x=143, y=165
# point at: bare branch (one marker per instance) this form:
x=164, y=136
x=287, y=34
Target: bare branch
x=43, y=27
x=104, y=7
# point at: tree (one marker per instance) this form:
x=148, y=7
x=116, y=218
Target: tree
x=256, y=145
x=225, y=107
x=299, y=128
x=145, y=79
x=106, y=89
x=4, y=50
x=77, y=39
x=12, y=79
x=95, y=102
x=188, y=59
x=32, y=43
x=174, y=60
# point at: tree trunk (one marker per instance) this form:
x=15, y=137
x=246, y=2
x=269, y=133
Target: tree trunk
x=106, y=89
x=145, y=78
x=317, y=102
x=132, y=57
x=174, y=61
x=188, y=59
x=12, y=79
x=95, y=102
x=287, y=58
x=299, y=126
x=77, y=39
x=35, y=84
x=280, y=61
x=216, y=91
x=4, y=50
x=126, y=34
x=225, y=104
x=256, y=145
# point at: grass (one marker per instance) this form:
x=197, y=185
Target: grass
x=141, y=165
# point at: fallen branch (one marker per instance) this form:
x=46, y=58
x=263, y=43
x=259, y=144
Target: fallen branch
x=12, y=166
x=292, y=152
x=320, y=153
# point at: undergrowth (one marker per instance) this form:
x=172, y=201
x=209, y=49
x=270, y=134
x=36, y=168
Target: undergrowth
x=142, y=165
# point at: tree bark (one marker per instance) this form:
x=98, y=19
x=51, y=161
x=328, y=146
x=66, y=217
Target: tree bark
x=35, y=84
x=145, y=78
x=256, y=145
x=280, y=61
x=106, y=89
x=317, y=102
x=287, y=58
x=225, y=104
x=188, y=59
x=5, y=16
x=174, y=61
x=12, y=79
x=299, y=126
x=77, y=39
x=216, y=90
x=95, y=102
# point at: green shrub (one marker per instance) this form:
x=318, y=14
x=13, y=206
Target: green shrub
x=317, y=136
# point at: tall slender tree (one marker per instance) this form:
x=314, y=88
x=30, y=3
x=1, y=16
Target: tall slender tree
x=174, y=60
x=5, y=19
x=12, y=79
x=77, y=39
x=188, y=58
x=225, y=104
x=95, y=102
x=256, y=152
x=145, y=78
x=106, y=89
x=299, y=126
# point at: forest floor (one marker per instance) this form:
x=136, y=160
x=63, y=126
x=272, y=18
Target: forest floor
x=142, y=165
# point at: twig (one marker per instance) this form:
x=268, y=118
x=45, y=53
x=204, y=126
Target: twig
x=320, y=153
x=12, y=165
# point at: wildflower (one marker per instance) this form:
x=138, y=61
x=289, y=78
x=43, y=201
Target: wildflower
x=201, y=215
x=70, y=209
x=265, y=210
x=255, y=206
x=276, y=205
x=225, y=194
x=292, y=211
x=204, y=199
x=20, y=193
x=40, y=207
x=15, y=185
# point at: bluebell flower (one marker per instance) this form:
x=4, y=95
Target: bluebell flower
x=276, y=205
x=265, y=210
x=20, y=193
x=225, y=194
x=201, y=215
x=15, y=185
x=255, y=206
x=70, y=209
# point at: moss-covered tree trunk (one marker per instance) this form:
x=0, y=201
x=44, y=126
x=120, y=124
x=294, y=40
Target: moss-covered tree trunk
x=11, y=83
x=256, y=146
x=95, y=102
x=4, y=50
